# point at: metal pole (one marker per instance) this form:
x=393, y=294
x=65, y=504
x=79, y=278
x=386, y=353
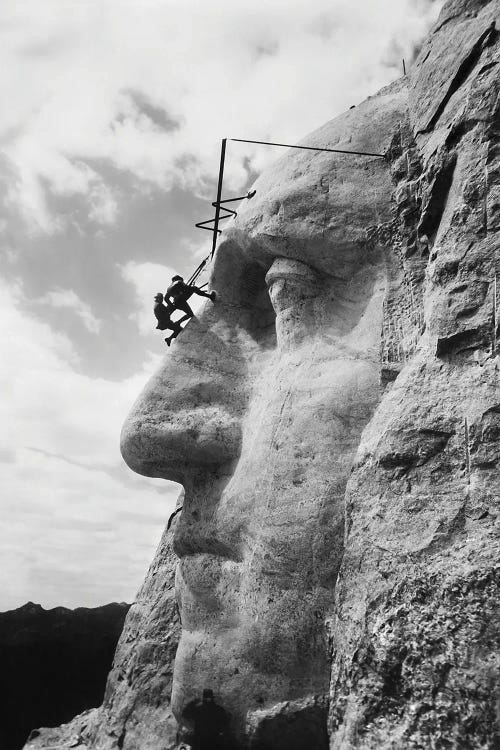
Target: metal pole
x=404, y=67
x=219, y=193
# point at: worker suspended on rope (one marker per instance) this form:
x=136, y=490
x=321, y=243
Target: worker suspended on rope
x=179, y=292
x=163, y=310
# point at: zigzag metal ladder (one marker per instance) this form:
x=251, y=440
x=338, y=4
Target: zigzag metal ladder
x=216, y=231
x=229, y=212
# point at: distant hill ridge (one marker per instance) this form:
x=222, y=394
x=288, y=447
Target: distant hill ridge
x=54, y=664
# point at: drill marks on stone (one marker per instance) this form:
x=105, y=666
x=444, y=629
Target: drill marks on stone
x=403, y=320
x=494, y=336
x=402, y=327
x=325, y=188
x=467, y=450
x=485, y=200
x=465, y=69
x=495, y=316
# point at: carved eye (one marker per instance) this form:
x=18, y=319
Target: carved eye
x=289, y=282
x=292, y=288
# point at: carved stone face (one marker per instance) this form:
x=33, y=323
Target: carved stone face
x=258, y=410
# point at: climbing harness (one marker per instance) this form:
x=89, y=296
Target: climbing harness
x=213, y=224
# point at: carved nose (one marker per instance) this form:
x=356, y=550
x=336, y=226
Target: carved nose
x=189, y=413
x=167, y=449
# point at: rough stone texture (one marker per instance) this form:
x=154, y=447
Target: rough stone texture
x=76, y=733
x=335, y=421
x=416, y=631
x=54, y=663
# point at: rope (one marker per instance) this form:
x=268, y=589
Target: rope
x=197, y=271
x=173, y=516
x=310, y=148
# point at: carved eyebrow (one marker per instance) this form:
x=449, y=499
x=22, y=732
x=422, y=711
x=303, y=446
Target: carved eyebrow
x=286, y=268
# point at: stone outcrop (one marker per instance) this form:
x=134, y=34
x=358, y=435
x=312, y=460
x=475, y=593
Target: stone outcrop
x=335, y=421
x=54, y=664
x=416, y=630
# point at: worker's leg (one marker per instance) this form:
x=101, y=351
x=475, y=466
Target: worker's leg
x=175, y=326
x=173, y=335
x=201, y=293
x=176, y=329
x=170, y=309
x=183, y=305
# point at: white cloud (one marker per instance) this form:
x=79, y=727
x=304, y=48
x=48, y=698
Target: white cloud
x=249, y=69
x=67, y=298
x=73, y=536
x=68, y=534
x=103, y=204
x=52, y=405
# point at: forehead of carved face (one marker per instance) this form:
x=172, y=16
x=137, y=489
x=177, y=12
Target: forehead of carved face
x=258, y=409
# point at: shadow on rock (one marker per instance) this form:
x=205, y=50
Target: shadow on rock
x=208, y=725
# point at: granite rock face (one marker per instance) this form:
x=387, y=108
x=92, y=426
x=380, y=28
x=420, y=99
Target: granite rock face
x=416, y=629
x=335, y=421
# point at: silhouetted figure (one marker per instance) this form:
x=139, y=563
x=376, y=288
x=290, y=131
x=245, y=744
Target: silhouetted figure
x=209, y=723
x=179, y=292
x=162, y=313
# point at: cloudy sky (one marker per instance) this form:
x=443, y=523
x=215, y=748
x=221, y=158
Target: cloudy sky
x=110, y=127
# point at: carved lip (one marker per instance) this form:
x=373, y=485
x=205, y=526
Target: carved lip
x=193, y=540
